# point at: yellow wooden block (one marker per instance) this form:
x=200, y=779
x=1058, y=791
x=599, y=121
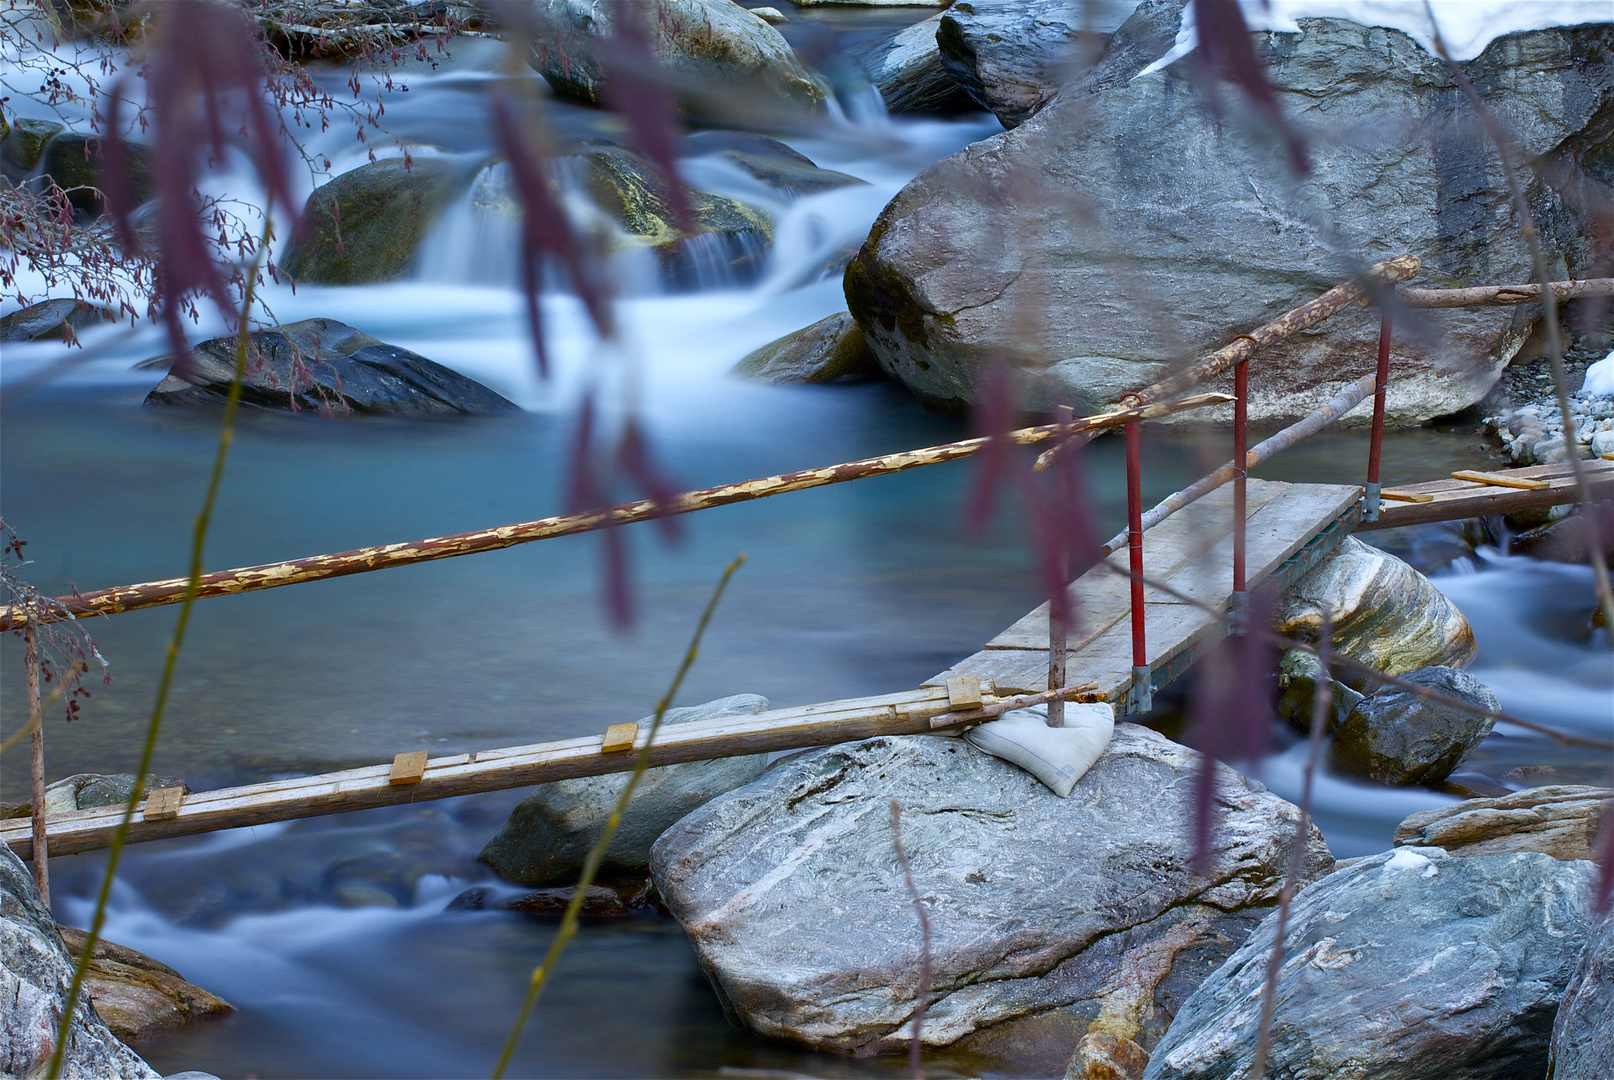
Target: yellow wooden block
x=618, y=738
x=964, y=692
x=1473, y=476
x=408, y=768
x=163, y=804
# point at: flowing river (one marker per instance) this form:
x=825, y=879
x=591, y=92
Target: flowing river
x=330, y=935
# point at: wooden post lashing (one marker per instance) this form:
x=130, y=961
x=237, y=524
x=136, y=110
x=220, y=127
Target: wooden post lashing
x=408, y=768
x=1381, y=384
x=619, y=738
x=37, y=767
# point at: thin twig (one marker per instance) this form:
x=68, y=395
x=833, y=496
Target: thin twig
x=596, y=855
x=198, y=543
x=1549, y=311
x=1360, y=668
x=915, y=1045
x=1322, y=704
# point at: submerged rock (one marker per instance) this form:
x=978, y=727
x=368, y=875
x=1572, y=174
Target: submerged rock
x=1410, y=964
x=1561, y=821
x=35, y=974
x=723, y=59
x=602, y=902
x=1385, y=614
x=329, y=368
x=550, y=833
x=1583, y=1032
x=827, y=351
x=908, y=70
x=365, y=225
x=1008, y=249
x=137, y=997
x=52, y=319
x=790, y=893
x=1395, y=736
x=632, y=193
x=769, y=160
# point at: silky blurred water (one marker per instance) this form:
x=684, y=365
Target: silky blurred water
x=858, y=589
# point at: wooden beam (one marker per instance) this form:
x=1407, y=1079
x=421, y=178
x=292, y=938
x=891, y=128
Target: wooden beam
x=1454, y=500
x=908, y=713
x=363, y=560
x=1500, y=295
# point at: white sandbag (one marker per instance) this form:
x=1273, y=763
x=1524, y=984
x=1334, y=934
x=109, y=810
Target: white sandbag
x=1057, y=756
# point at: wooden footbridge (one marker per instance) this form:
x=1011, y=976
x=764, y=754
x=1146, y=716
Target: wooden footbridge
x=1144, y=616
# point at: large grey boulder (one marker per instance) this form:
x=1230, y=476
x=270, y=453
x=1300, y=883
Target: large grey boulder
x=1122, y=225
x=829, y=350
x=1583, y=1033
x=908, y=70
x=722, y=58
x=1396, y=736
x=328, y=368
x=550, y=833
x=364, y=226
x=35, y=974
x=1410, y=964
x=1561, y=821
x=790, y=893
x=1385, y=614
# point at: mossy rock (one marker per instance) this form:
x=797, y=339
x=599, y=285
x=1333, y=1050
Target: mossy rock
x=829, y=350
x=365, y=225
x=25, y=141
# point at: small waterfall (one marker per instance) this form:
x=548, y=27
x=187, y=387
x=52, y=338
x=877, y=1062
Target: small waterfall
x=709, y=261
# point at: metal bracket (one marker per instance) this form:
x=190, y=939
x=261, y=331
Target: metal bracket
x=1238, y=606
x=1370, y=503
x=1140, y=695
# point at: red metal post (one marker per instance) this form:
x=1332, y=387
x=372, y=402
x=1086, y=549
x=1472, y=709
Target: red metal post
x=1241, y=443
x=1138, y=699
x=1371, y=510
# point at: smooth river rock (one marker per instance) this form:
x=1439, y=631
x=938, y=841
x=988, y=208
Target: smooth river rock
x=1384, y=613
x=365, y=225
x=1395, y=736
x=35, y=974
x=549, y=834
x=326, y=368
x=1583, y=1033
x=908, y=70
x=790, y=892
x=1561, y=821
x=52, y=319
x=138, y=997
x=827, y=351
x=1122, y=225
x=1407, y=965
x=1012, y=56
x=722, y=59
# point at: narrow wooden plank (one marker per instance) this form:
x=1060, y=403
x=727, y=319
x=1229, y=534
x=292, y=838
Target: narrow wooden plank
x=1406, y=496
x=1496, y=479
x=369, y=786
x=1456, y=499
x=407, y=768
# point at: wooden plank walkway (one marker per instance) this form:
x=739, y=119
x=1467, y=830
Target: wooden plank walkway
x=1290, y=527
x=1454, y=500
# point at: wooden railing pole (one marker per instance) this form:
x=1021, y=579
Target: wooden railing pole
x=37, y=767
x=1139, y=697
x=1381, y=383
x=1058, y=628
x=1241, y=441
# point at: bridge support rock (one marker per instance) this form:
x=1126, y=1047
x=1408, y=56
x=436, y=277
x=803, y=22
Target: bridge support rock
x=1062, y=916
